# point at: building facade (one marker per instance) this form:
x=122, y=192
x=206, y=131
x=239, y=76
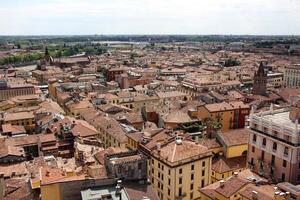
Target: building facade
x=260, y=81
x=292, y=75
x=274, y=149
x=176, y=173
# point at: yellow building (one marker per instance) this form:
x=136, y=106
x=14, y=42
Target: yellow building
x=177, y=173
x=220, y=112
x=225, y=167
x=234, y=142
x=231, y=115
x=25, y=119
x=6, y=104
x=52, y=181
x=26, y=100
x=232, y=158
x=230, y=150
x=133, y=140
x=111, y=132
x=53, y=90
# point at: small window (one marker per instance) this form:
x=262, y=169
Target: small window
x=180, y=192
x=286, y=151
x=283, y=176
x=180, y=171
x=254, y=138
x=264, y=142
x=284, y=163
x=275, y=146
x=203, y=164
x=202, y=183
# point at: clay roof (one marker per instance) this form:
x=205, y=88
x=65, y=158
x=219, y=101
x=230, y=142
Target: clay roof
x=139, y=191
x=18, y=116
x=210, y=143
x=178, y=116
x=111, y=150
x=171, y=94
x=234, y=137
x=265, y=192
x=47, y=138
x=83, y=130
x=19, y=169
x=215, y=107
x=231, y=186
x=111, y=126
x=13, y=129
x=173, y=152
x=6, y=150
x=51, y=175
x=222, y=164
x=17, y=189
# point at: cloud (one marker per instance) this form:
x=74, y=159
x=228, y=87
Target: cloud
x=150, y=17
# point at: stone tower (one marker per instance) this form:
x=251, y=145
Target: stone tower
x=260, y=81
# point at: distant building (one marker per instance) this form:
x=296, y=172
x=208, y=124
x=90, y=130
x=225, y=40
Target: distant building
x=230, y=115
x=260, y=81
x=8, y=90
x=292, y=75
x=275, y=80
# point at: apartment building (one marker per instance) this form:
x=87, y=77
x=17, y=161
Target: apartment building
x=274, y=149
x=230, y=114
x=292, y=75
x=176, y=173
x=25, y=119
x=11, y=90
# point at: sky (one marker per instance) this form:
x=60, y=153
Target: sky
x=77, y=17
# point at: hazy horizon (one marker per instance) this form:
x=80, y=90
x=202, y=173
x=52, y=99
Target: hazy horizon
x=149, y=17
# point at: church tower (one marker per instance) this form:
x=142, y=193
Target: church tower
x=47, y=56
x=260, y=81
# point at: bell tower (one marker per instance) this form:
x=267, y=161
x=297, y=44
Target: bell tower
x=260, y=81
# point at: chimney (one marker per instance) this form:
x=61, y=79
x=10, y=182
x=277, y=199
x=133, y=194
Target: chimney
x=158, y=146
x=235, y=174
x=222, y=183
x=287, y=196
x=118, y=189
x=254, y=195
